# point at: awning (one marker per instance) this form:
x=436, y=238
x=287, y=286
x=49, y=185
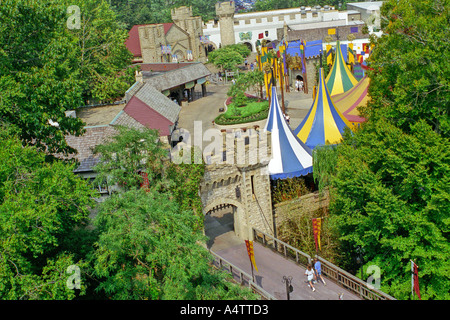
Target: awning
x=189, y=85
x=201, y=80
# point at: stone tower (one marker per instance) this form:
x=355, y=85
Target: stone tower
x=237, y=175
x=225, y=12
x=183, y=18
x=151, y=38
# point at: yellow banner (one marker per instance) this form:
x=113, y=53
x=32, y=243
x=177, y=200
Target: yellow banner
x=251, y=253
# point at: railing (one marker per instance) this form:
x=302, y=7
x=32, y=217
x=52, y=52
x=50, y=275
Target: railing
x=281, y=247
x=331, y=271
x=240, y=276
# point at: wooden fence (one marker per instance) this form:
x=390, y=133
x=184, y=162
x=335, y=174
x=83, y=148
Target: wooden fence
x=329, y=270
x=240, y=276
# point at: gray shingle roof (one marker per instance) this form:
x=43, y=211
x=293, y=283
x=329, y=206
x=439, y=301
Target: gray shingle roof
x=177, y=77
x=159, y=102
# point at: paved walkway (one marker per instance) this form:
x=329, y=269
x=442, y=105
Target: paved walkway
x=206, y=109
x=271, y=266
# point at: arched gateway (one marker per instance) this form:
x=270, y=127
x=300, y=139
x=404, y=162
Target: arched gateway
x=244, y=187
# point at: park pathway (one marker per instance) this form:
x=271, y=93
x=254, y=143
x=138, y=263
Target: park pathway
x=271, y=266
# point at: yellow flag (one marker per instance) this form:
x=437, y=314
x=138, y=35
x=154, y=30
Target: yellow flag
x=329, y=54
x=251, y=253
x=331, y=31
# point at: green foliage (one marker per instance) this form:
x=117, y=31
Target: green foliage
x=229, y=57
x=47, y=68
x=391, y=198
x=245, y=81
x=409, y=82
x=389, y=181
x=128, y=153
x=135, y=12
x=40, y=205
x=253, y=111
x=150, y=239
x=289, y=189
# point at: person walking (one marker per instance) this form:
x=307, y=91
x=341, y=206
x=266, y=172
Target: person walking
x=310, y=275
x=318, y=271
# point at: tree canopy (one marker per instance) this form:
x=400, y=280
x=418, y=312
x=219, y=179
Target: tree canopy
x=41, y=205
x=389, y=180
x=47, y=67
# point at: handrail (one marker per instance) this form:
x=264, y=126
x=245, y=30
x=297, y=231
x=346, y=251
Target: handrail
x=244, y=277
x=331, y=271
x=282, y=247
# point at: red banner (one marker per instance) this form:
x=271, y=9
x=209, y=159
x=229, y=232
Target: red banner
x=415, y=279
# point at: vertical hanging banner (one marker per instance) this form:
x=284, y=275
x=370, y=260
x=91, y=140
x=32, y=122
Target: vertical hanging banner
x=251, y=253
x=316, y=229
x=329, y=55
x=415, y=279
x=145, y=182
x=351, y=55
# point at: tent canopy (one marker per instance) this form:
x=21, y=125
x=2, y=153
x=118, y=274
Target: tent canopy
x=340, y=79
x=323, y=124
x=348, y=102
x=290, y=156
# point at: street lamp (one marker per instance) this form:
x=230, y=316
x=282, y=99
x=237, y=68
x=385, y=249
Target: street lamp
x=289, y=287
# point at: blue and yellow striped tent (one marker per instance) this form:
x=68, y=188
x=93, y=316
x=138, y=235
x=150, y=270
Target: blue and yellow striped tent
x=340, y=79
x=323, y=124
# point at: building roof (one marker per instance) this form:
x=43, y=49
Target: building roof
x=176, y=77
x=155, y=100
x=145, y=115
x=86, y=143
x=133, y=44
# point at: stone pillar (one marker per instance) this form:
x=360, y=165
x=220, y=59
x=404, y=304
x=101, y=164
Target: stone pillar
x=225, y=12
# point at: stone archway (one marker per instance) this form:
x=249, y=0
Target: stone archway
x=225, y=215
x=249, y=45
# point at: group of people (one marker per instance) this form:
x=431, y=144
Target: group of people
x=298, y=85
x=314, y=274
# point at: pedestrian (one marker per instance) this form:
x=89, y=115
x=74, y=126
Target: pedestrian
x=297, y=85
x=252, y=66
x=288, y=119
x=310, y=275
x=301, y=85
x=220, y=76
x=318, y=271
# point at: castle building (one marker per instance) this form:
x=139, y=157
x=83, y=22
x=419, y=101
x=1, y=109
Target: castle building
x=248, y=28
x=178, y=41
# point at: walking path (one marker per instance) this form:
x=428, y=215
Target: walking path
x=271, y=266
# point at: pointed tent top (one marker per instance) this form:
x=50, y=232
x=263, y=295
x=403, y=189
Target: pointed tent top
x=323, y=124
x=290, y=156
x=340, y=79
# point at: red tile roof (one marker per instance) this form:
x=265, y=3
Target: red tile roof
x=133, y=44
x=145, y=115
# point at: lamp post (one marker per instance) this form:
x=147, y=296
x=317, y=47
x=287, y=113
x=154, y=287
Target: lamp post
x=289, y=288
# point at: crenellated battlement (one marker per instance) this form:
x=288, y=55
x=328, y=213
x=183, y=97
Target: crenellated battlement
x=226, y=8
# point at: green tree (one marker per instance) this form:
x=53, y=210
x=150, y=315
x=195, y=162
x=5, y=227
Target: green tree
x=409, y=80
x=41, y=205
x=229, y=57
x=47, y=68
x=150, y=243
x=390, y=197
